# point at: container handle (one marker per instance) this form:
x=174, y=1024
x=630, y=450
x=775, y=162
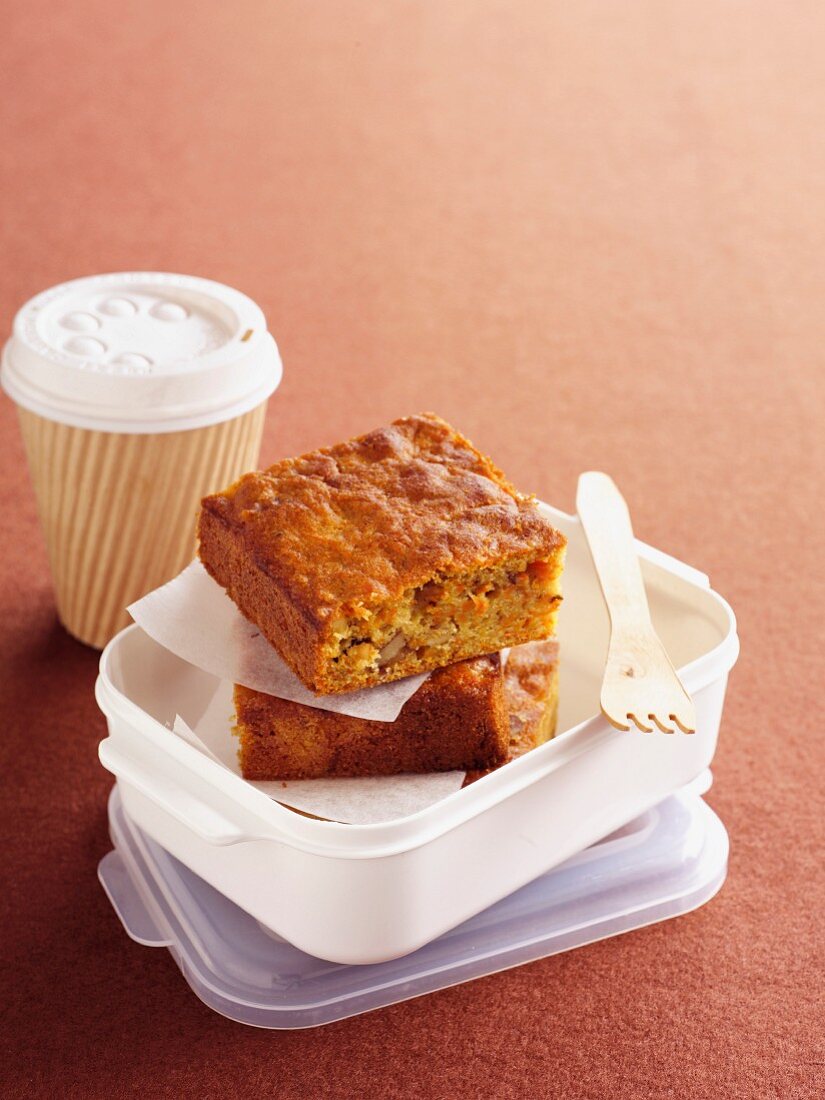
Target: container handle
x=209, y=824
x=127, y=902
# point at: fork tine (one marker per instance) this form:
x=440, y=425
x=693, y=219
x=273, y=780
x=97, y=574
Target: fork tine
x=660, y=724
x=640, y=723
x=683, y=723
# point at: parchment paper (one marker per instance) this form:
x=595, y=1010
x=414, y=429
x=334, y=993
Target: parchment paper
x=355, y=801
x=194, y=618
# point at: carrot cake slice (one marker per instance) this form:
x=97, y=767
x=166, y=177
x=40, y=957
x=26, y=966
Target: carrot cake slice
x=467, y=716
x=456, y=720
x=398, y=552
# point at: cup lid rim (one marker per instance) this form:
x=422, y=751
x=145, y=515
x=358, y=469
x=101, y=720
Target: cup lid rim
x=214, y=383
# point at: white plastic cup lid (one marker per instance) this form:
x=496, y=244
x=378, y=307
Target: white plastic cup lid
x=140, y=352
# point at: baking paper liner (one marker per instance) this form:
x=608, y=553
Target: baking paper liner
x=361, y=801
x=194, y=618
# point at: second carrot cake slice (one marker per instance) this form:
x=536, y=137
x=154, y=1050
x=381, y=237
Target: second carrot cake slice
x=468, y=716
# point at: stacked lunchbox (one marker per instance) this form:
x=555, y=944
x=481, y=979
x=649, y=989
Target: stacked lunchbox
x=514, y=867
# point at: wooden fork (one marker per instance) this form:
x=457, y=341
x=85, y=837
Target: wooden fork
x=640, y=683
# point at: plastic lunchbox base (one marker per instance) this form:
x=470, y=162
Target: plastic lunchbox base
x=668, y=861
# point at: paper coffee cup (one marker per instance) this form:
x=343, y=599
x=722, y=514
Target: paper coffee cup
x=137, y=394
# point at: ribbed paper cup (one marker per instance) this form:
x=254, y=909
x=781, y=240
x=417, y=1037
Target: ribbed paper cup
x=118, y=510
x=137, y=395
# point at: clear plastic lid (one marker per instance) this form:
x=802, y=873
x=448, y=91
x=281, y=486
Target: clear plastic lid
x=141, y=352
x=663, y=864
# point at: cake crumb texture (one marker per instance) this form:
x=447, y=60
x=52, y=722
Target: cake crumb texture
x=456, y=720
x=398, y=552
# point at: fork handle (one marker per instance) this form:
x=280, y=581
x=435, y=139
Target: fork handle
x=606, y=522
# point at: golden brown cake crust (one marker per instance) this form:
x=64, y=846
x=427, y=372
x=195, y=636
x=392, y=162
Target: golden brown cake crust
x=456, y=720
x=316, y=544
x=531, y=690
x=531, y=687
x=389, y=509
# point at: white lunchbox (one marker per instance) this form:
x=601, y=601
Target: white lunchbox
x=668, y=861
x=368, y=893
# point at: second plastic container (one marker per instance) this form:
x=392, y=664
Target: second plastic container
x=670, y=860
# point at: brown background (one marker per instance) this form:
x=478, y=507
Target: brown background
x=590, y=234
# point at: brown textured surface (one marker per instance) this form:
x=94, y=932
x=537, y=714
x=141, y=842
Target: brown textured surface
x=592, y=235
x=531, y=690
x=346, y=531
x=457, y=719
x=531, y=699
